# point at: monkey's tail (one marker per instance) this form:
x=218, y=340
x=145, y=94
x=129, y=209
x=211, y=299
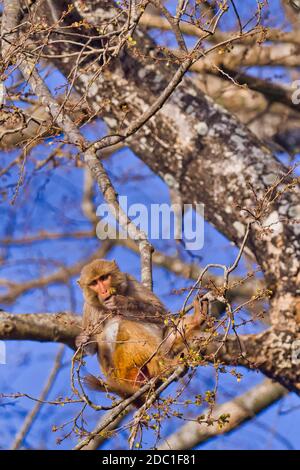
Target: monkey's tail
x=93, y=383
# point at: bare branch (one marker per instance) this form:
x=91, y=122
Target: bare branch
x=44, y=327
x=238, y=411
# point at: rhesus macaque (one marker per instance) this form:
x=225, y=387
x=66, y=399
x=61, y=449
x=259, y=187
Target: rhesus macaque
x=125, y=323
x=108, y=291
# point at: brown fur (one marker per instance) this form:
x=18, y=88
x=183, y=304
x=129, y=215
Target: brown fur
x=98, y=268
x=131, y=361
x=129, y=334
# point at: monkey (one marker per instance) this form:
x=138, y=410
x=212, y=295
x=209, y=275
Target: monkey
x=126, y=325
x=107, y=291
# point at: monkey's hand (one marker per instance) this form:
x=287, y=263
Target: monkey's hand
x=85, y=342
x=112, y=301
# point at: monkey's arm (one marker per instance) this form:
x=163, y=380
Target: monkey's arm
x=92, y=324
x=87, y=343
x=139, y=292
x=136, y=310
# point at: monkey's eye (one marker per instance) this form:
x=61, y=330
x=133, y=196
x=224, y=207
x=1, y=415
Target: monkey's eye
x=101, y=278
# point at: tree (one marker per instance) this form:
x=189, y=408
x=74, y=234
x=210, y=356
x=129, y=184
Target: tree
x=68, y=68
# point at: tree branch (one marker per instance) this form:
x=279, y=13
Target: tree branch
x=240, y=409
x=44, y=327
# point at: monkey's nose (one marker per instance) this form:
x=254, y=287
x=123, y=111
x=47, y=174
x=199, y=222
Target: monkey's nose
x=103, y=289
x=101, y=285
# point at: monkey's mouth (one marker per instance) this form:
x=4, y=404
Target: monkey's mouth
x=105, y=295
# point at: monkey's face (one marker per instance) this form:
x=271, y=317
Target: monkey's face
x=102, y=286
x=100, y=280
